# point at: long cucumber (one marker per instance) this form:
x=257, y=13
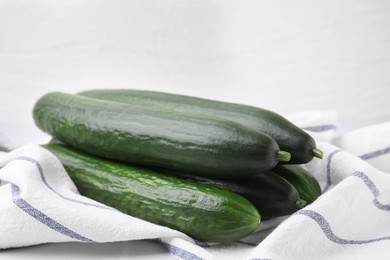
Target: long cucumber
x=201, y=211
x=179, y=141
x=289, y=137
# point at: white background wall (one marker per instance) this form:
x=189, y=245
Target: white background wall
x=287, y=56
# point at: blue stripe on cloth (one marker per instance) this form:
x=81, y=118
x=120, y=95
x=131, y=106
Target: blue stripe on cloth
x=328, y=170
x=320, y=128
x=245, y=243
x=374, y=190
x=40, y=170
x=202, y=243
x=43, y=218
x=180, y=253
x=325, y=227
x=375, y=154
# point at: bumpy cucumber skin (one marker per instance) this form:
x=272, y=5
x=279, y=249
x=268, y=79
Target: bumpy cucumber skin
x=272, y=195
x=289, y=137
x=177, y=141
x=307, y=186
x=201, y=211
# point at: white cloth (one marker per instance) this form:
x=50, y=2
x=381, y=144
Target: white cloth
x=351, y=220
x=371, y=143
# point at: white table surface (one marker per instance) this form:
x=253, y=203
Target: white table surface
x=286, y=56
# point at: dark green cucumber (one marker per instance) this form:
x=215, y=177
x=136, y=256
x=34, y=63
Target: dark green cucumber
x=178, y=141
x=272, y=195
x=201, y=211
x=307, y=186
x=289, y=137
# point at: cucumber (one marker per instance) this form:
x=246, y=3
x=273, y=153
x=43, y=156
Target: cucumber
x=307, y=186
x=272, y=195
x=290, y=138
x=178, y=141
x=201, y=211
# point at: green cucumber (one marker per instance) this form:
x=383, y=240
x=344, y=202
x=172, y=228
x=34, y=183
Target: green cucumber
x=307, y=186
x=201, y=211
x=179, y=141
x=289, y=137
x=272, y=195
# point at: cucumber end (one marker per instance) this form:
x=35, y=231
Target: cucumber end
x=283, y=156
x=301, y=203
x=318, y=153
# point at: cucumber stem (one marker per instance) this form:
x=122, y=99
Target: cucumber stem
x=318, y=153
x=283, y=156
x=301, y=203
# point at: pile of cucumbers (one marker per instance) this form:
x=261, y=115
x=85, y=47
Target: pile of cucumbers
x=203, y=167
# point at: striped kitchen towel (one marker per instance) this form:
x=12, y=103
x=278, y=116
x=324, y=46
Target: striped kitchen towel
x=351, y=220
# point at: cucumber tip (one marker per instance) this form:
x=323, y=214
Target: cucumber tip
x=283, y=156
x=301, y=203
x=318, y=153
